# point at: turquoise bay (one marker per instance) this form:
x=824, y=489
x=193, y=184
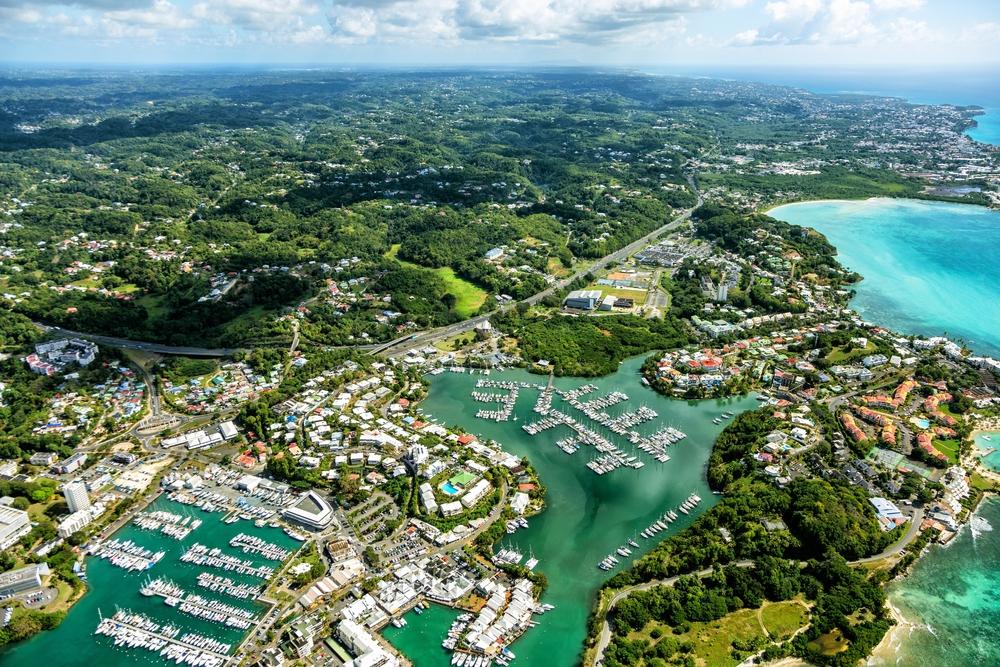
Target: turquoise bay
x=929, y=268
x=951, y=601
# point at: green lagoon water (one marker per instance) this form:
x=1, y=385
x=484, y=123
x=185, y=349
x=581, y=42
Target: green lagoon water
x=929, y=267
x=587, y=516
x=952, y=595
x=73, y=642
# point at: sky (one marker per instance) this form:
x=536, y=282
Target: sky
x=645, y=33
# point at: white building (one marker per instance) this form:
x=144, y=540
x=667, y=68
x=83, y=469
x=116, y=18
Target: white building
x=451, y=509
x=519, y=502
x=14, y=524
x=76, y=496
x=366, y=649
x=311, y=510
x=583, y=299
x=476, y=493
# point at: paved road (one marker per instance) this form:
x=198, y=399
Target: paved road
x=155, y=348
x=428, y=337
x=408, y=342
x=605, y=637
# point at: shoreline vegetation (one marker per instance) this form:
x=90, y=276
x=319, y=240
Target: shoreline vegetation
x=632, y=648
x=446, y=269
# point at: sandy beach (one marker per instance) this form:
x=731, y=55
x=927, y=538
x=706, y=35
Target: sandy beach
x=887, y=652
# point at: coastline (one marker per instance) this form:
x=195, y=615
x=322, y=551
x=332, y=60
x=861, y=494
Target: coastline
x=767, y=211
x=940, y=200
x=886, y=652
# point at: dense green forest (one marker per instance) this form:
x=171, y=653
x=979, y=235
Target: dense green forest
x=590, y=346
x=814, y=521
x=200, y=209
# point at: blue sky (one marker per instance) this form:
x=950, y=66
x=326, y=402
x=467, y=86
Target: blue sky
x=651, y=33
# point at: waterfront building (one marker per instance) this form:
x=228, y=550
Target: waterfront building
x=14, y=524
x=519, y=502
x=73, y=523
x=365, y=648
x=75, y=493
x=22, y=580
x=311, y=510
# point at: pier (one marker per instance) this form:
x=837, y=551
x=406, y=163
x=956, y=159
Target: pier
x=137, y=631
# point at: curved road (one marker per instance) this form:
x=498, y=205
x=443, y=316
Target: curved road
x=605, y=637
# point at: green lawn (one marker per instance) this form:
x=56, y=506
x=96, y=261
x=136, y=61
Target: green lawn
x=948, y=447
x=154, y=306
x=469, y=298
x=637, y=295
x=713, y=641
x=783, y=618
x=839, y=356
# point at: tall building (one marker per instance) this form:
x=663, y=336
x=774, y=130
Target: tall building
x=76, y=496
x=722, y=291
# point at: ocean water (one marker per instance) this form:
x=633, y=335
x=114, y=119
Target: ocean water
x=587, y=516
x=951, y=601
x=929, y=268
x=944, y=85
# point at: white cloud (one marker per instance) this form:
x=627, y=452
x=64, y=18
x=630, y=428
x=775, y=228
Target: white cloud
x=985, y=32
x=256, y=15
x=161, y=14
x=580, y=21
x=897, y=5
x=848, y=21
x=793, y=11
x=837, y=22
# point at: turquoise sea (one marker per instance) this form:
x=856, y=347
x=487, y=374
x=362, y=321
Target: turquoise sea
x=951, y=601
x=989, y=442
x=987, y=128
x=929, y=268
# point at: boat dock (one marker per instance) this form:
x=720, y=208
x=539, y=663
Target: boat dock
x=137, y=631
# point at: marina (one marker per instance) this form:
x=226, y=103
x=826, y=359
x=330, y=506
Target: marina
x=609, y=455
x=199, y=554
x=173, y=525
x=116, y=623
x=597, y=514
x=136, y=631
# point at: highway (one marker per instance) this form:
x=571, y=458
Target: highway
x=399, y=345
x=428, y=337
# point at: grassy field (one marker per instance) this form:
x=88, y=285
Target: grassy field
x=637, y=295
x=154, y=306
x=830, y=643
x=469, y=298
x=713, y=641
x=783, y=618
x=948, y=447
x=839, y=356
